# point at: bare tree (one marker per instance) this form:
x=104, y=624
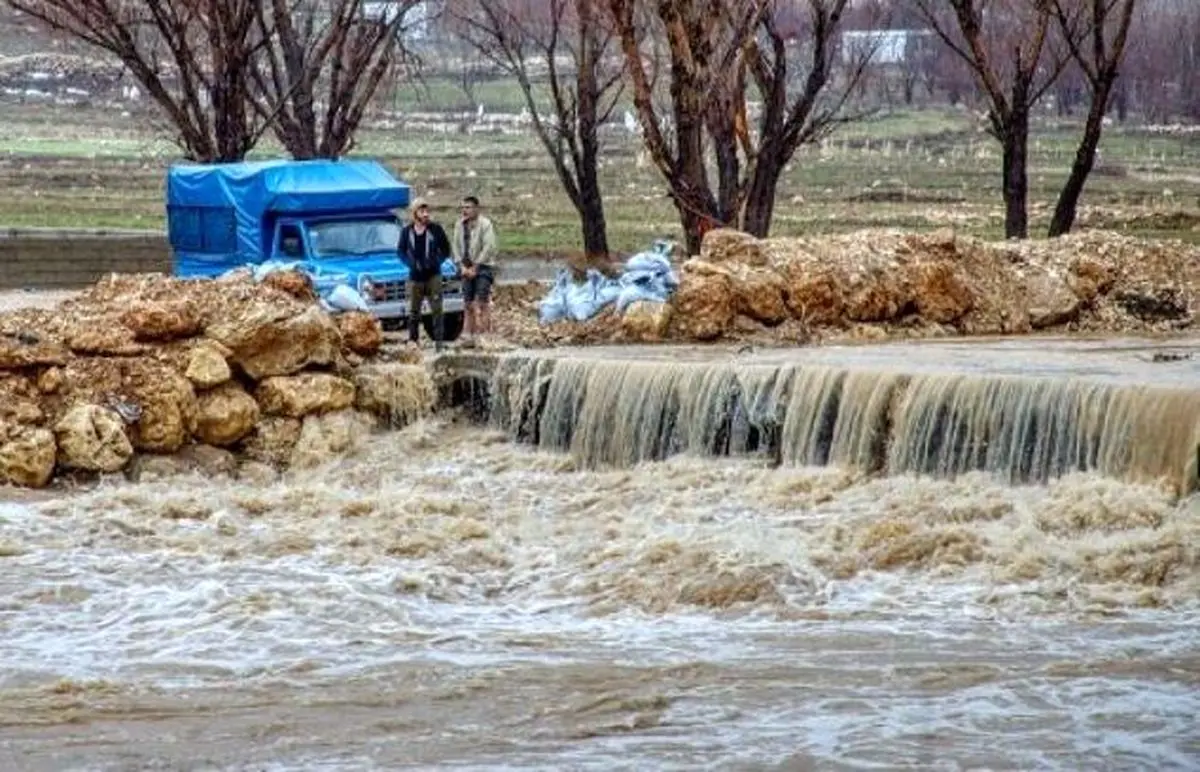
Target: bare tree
x=573, y=41
x=193, y=57
x=1007, y=44
x=790, y=52
x=1096, y=34
x=322, y=63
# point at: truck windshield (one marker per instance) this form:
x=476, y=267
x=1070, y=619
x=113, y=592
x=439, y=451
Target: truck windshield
x=353, y=237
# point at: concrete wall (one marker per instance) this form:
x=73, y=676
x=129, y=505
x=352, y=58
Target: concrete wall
x=45, y=258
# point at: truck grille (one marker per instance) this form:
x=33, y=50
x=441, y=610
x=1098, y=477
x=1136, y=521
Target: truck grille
x=393, y=290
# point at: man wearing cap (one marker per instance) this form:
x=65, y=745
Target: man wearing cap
x=423, y=246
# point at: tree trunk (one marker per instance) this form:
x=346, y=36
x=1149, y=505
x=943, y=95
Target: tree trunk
x=591, y=201
x=1085, y=159
x=760, y=200
x=1016, y=175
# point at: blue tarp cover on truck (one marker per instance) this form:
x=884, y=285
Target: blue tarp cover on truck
x=217, y=214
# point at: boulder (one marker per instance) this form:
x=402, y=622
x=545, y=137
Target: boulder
x=162, y=320
x=396, y=393
x=19, y=400
x=27, y=455
x=272, y=441
x=646, y=321
x=941, y=295
x=295, y=283
x=29, y=350
x=814, y=297
x=207, y=367
x=879, y=294
x=723, y=246
x=103, y=338
x=295, y=396
x=1048, y=299
x=759, y=294
x=1089, y=278
x=704, y=303
x=361, y=332
x=225, y=415
x=329, y=436
x=167, y=404
x=93, y=439
x=50, y=380
x=269, y=339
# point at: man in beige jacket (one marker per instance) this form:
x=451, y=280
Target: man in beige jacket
x=475, y=251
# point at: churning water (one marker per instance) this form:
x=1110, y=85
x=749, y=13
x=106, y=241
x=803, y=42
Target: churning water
x=449, y=597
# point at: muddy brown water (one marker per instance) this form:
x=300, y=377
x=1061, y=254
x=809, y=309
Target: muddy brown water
x=446, y=598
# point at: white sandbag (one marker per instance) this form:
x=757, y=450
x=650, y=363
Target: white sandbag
x=344, y=298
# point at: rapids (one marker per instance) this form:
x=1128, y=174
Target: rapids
x=447, y=597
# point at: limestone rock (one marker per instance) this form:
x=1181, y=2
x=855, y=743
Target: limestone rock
x=814, y=297
x=272, y=441
x=328, y=436
x=27, y=455
x=940, y=293
x=296, y=396
x=1048, y=299
x=50, y=380
x=102, y=338
x=207, y=367
x=295, y=283
x=29, y=350
x=93, y=439
x=704, y=303
x=396, y=393
x=361, y=332
x=646, y=321
x=168, y=405
x=759, y=294
x=722, y=246
x=269, y=340
x=19, y=400
x=881, y=294
x=225, y=415
x=1090, y=278
x=162, y=320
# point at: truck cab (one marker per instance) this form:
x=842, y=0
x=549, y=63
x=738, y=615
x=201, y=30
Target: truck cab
x=334, y=220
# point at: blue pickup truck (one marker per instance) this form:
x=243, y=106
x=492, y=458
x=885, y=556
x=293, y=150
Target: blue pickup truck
x=335, y=220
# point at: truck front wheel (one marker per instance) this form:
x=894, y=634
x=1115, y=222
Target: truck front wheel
x=452, y=326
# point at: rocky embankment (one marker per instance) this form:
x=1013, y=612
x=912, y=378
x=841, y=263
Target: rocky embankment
x=879, y=284
x=150, y=375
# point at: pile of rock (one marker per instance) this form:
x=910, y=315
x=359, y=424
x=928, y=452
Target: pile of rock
x=880, y=283
x=145, y=373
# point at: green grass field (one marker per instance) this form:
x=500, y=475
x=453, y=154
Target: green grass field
x=70, y=167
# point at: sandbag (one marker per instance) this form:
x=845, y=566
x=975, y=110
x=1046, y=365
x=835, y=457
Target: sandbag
x=554, y=307
x=343, y=298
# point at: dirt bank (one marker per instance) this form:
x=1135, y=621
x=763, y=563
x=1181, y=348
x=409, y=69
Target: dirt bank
x=150, y=376
x=878, y=284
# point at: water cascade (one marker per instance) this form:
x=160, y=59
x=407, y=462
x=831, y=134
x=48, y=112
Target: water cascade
x=620, y=412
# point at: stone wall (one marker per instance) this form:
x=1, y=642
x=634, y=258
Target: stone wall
x=46, y=258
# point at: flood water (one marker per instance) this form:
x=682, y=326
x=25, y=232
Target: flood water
x=447, y=598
